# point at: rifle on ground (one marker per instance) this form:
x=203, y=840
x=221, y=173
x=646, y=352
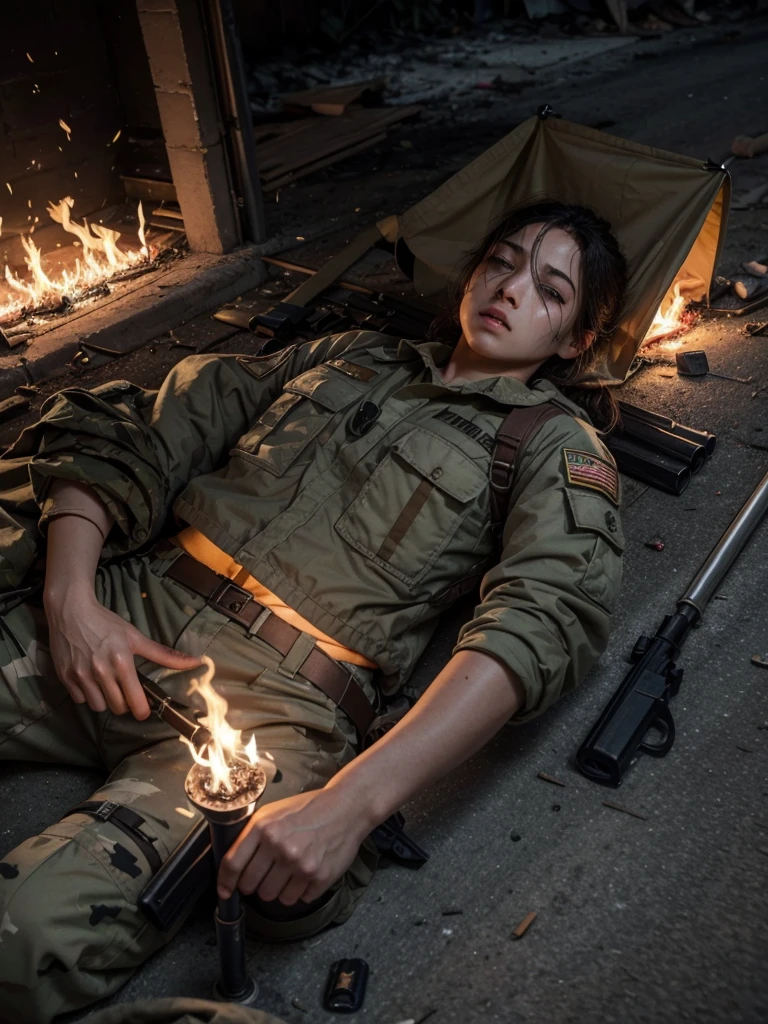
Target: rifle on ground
x=641, y=703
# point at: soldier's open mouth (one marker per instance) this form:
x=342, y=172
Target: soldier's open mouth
x=493, y=321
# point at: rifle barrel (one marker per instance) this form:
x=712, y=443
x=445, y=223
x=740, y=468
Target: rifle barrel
x=723, y=555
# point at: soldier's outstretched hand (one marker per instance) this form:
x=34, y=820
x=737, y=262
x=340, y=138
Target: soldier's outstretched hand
x=93, y=650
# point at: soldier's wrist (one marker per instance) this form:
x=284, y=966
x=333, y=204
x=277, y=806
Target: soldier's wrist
x=365, y=797
x=59, y=595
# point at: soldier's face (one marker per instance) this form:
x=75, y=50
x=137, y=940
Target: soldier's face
x=517, y=312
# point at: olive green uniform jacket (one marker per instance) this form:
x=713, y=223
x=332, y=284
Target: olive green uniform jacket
x=368, y=537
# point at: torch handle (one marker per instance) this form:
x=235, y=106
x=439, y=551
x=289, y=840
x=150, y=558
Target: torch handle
x=222, y=838
x=235, y=984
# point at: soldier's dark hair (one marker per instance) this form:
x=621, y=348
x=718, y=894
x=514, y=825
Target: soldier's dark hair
x=604, y=275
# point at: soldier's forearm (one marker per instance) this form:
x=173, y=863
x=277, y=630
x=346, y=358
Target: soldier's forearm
x=468, y=702
x=76, y=536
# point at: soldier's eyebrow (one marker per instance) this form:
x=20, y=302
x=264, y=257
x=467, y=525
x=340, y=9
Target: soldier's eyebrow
x=548, y=269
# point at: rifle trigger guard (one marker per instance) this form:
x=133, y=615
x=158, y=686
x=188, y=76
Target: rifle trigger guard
x=666, y=726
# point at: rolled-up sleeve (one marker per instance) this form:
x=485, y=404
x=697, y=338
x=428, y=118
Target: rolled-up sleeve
x=545, y=608
x=138, y=449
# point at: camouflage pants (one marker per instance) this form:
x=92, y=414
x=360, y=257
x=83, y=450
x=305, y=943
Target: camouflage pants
x=70, y=930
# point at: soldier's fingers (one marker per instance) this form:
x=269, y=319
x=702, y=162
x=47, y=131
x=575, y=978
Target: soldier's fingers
x=243, y=854
x=273, y=882
x=131, y=688
x=161, y=654
x=294, y=891
x=111, y=690
x=74, y=692
x=94, y=698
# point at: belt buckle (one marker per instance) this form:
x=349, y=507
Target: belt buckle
x=105, y=810
x=230, y=599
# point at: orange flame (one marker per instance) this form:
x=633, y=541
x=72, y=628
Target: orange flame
x=668, y=325
x=101, y=259
x=225, y=746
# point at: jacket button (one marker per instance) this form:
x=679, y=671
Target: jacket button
x=436, y=473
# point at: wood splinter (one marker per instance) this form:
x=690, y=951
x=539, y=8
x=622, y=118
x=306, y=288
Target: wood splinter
x=550, y=778
x=524, y=925
x=623, y=809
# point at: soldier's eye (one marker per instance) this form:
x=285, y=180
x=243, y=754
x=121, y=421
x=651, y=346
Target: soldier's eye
x=500, y=261
x=554, y=293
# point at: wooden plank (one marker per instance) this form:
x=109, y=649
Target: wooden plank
x=331, y=153
x=323, y=137
x=332, y=100
x=320, y=136
x=168, y=211
x=319, y=164
x=149, y=189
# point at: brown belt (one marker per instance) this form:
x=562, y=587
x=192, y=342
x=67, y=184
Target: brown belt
x=239, y=605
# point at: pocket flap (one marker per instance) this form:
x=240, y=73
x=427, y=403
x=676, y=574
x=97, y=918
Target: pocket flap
x=595, y=514
x=446, y=467
x=330, y=389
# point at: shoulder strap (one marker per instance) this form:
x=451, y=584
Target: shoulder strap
x=515, y=433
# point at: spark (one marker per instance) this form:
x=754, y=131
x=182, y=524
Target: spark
x=120, y=132
x=63, y=124
x=30, y=59
x=8, y=186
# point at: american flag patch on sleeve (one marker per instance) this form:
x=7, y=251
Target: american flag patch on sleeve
x=583, y=469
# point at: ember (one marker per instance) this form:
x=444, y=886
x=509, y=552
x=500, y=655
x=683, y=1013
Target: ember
x=248, y=782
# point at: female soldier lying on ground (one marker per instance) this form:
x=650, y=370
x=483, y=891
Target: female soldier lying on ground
x=347, y=529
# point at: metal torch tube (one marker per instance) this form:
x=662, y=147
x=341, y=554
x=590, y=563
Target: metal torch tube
x=724, y=553
x=235, y=982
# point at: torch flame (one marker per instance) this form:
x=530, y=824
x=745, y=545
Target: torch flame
x=225, y=747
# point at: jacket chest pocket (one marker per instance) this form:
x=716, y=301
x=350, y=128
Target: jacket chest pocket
x=413, y=503
x=306, y=406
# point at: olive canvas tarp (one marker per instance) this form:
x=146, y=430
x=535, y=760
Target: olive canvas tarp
x=668, y=211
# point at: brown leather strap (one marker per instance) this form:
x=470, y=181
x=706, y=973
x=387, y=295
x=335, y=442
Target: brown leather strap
x=514, y=435
x=238, y=604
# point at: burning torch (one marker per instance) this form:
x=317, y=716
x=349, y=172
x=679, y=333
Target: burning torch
x=225, y=784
